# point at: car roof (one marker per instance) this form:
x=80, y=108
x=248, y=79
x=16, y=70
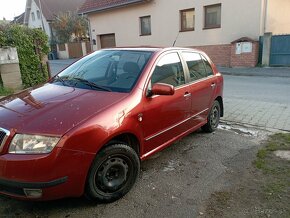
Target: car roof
x=152, y=49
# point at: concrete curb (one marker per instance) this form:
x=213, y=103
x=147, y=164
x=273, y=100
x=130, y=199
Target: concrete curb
x=256, y=71
x=255, y=74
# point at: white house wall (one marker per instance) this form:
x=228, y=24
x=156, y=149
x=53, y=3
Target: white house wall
x=239, y=18
x=37, y=23
x=278, y=19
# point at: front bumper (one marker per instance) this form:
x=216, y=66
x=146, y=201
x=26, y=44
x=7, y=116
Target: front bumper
x=26, y=189
x=59, y=174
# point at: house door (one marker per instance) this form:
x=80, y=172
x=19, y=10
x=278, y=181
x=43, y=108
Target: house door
x=108, y=41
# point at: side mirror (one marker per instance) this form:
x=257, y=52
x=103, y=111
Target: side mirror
x=162, y=89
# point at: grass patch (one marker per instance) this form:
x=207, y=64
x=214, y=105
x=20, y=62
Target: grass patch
x=5, y=91
x=274, y=189
x=266, y=159
x=277, y=170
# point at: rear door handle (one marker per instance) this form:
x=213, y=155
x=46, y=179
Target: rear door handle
x=187, y=94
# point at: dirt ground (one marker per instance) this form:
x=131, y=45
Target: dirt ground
x=261, y=189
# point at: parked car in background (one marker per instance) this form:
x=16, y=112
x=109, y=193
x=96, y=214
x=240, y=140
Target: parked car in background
x=88, y=128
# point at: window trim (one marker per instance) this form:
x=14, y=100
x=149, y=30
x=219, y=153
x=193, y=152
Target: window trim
x=140, y=23
x=211, y=26
x=182, y=29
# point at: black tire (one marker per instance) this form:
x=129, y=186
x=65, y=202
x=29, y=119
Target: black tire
x=112, y=174
x=213, y=118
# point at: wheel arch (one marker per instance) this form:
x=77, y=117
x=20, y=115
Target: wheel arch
x=220, y=100
x=127, y=138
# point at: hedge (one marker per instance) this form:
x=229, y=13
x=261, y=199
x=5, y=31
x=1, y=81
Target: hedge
x=32, y=47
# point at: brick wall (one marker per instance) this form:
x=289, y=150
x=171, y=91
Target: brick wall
x=224, y=55
x=245, y=59
x=219, y=54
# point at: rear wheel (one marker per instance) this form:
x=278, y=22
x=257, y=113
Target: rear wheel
x=113, y=173
x=213, y=118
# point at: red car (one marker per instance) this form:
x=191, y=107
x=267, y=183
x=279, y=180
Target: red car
x=88, y=128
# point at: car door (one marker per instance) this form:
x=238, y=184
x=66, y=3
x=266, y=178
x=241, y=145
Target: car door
x=202, y=86
x=164, y=117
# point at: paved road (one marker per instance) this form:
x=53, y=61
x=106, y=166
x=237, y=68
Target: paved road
x=258, y=101
x=58, y=65
x=174, y=183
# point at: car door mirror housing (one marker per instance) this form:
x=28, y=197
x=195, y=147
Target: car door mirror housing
x=161, y=89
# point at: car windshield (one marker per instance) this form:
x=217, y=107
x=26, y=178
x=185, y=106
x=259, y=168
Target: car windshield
x=105, y=70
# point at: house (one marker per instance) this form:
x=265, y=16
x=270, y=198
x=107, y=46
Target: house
x=18, y=19
x=228, y=30
x=41, y=13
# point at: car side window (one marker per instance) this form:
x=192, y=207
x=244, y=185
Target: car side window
x=169, y=70
x=195, y=65
x=208, y=67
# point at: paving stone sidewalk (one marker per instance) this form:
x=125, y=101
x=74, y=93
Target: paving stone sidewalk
x=246, y=103
x=264, y=115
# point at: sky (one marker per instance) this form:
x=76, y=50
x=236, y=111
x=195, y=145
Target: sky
x=11, y=8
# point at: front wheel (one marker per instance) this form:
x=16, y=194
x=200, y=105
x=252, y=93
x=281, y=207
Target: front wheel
x=213, y=118
x=113, y=173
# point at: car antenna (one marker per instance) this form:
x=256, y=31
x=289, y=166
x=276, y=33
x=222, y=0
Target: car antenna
x=175, y=39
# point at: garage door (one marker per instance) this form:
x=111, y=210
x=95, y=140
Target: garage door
x=108, y=41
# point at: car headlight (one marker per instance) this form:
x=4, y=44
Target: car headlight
x=32, y=144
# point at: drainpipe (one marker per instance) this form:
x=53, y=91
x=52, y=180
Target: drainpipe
x=265, y=15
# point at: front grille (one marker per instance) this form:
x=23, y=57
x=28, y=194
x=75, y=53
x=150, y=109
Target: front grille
x=3, y=137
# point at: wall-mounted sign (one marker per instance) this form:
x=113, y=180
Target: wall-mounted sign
x=238, y=48
x=247, y=47
x=244, y=47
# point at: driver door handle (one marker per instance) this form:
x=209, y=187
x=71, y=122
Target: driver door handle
x=213, y=85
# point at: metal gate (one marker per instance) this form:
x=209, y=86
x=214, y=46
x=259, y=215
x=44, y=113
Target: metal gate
x=280, y=50
x=75, y=50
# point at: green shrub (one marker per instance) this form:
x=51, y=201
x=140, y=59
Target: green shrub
x=32, y=46
x=5, y=91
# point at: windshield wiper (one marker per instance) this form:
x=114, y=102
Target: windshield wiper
x=91, y=84
x=57, y=77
